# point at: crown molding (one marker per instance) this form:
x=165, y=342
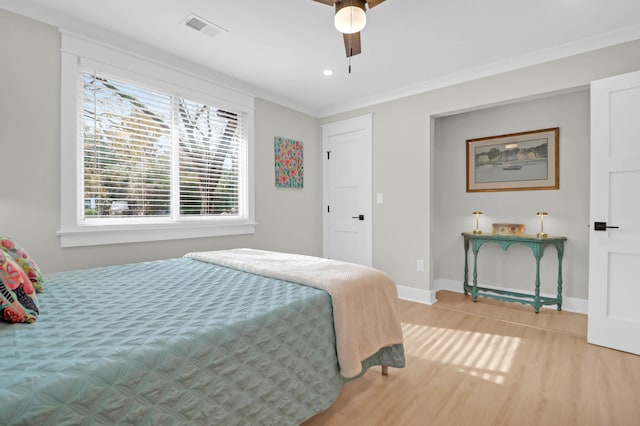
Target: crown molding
x=546, y=55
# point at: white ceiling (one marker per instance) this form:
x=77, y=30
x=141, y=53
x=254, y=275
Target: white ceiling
x=278, y=49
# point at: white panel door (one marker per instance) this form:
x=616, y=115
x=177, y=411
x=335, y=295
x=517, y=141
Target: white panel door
x=614, y=252
x=347, y=191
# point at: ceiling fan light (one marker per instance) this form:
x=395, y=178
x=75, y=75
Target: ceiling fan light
x=350, y=18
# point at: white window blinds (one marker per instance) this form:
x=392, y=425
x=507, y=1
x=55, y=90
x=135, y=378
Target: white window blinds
x=149, y=154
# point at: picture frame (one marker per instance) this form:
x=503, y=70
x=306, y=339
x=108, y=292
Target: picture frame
x=289, y=163
x=514, y=162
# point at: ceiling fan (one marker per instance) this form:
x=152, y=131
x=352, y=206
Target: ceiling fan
x=350, y=19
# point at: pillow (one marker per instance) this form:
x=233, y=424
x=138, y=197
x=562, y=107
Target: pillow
x=18, y=299
x=20, y=256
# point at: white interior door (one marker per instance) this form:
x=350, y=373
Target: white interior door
x=347, y=190
x=614, y=253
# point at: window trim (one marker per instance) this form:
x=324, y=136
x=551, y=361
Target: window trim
x=79, y=52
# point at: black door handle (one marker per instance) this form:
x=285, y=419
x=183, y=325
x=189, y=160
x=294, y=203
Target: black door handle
x=359, y=217
x=602, y=226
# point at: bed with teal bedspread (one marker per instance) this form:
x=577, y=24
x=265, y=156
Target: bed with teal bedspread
x=175, y=341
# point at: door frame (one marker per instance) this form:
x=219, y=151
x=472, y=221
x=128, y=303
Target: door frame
x=361, y=123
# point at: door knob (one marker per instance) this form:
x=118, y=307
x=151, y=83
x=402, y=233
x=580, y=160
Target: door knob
x=602, y=226
x=359, y=217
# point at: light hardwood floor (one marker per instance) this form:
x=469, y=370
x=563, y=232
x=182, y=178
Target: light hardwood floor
x=493, y=363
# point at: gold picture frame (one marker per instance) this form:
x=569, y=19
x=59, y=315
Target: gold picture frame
x=514, y=162
x=508, y=228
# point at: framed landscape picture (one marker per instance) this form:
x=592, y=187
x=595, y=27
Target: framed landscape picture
x=514, y=162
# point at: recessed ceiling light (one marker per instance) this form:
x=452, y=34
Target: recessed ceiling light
x=327, y=72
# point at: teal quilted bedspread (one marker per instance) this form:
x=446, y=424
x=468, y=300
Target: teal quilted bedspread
x=172, y=342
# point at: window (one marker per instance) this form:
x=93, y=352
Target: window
x=151, y=160
x=133, y=140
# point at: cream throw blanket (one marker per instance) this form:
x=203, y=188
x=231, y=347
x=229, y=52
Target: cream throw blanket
x=364, y=299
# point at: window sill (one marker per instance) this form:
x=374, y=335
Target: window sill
x=103, y=235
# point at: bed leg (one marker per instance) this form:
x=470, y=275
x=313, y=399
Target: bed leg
x=385, y=370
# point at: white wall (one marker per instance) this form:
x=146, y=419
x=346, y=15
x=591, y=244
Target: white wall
x=403, y=165
x=288, y=220
x=568, y=207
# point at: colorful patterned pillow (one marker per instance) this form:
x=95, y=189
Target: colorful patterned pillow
x=18, y=299
x=20, y=256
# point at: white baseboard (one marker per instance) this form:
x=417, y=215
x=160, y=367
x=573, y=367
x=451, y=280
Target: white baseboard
x=569, y=304
x=447, y=284
x=412, y=294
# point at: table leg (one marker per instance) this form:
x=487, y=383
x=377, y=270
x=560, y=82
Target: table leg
x=465, y=283
x=560, y=249
x=536, y=296
x=474, y=288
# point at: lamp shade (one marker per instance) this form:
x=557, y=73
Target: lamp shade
x=350, y=16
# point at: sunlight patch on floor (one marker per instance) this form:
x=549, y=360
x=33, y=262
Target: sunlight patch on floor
x=486, y=356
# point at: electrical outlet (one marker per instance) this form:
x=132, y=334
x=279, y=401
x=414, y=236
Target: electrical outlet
x=420, y=265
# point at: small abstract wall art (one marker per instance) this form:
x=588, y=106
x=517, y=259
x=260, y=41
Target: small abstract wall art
x=289, y=163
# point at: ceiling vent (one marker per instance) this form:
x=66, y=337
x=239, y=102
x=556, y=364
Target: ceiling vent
x=203, y=26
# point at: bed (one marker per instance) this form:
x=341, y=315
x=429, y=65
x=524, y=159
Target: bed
x=176, y=341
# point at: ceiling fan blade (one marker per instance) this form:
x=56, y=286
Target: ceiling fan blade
x=352, y=44
x=328, y=2
x=373, y=3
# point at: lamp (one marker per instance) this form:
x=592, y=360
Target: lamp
x=541, y=215
x=350, y=16
x=477, y=214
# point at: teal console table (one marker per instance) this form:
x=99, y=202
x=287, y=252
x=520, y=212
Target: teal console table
x=537, y=246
